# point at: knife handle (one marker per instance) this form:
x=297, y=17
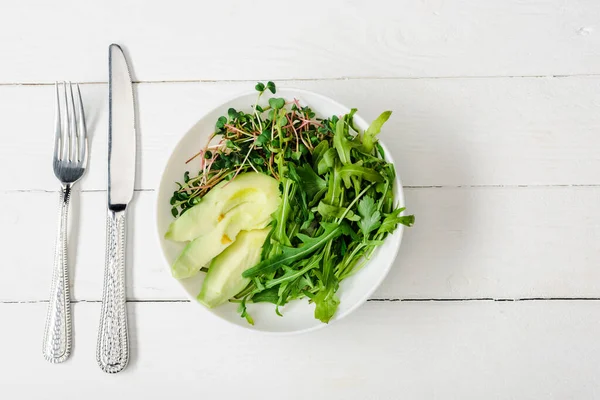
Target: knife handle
x=112, y=351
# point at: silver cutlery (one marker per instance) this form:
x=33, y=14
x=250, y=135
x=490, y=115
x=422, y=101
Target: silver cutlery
x=70, y=160
x=112, y=352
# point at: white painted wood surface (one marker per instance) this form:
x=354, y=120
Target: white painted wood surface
x=495, y=292
x=463, y=350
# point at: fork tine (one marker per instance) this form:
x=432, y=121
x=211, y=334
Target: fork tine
x=57, y=138
x=81, y=129
x=72, y=127
x=64, y=135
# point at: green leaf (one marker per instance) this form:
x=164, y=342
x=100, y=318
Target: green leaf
x=290, y=254
x=318, y=152
x=267, y=245
x=282, y=213
x=271, y=87
x=341, y=143
x=299, y=199
x=350, y=119
x=326, y=303
x=233, y=114
x=332, y=212
x=276, y=102
x=373, y=130
x=393, y=219
x=334, y=188
x=311, y=182
x=358, y=170
x=260, y=87
x=267, y=296
x=263, y=138
x=282, y=121
x=291, y=274
x=244, y=313
x=369, y=215
x=302, y=148
x=221, y=123
x=380, y=150
x=327, y=161
x=308, y=221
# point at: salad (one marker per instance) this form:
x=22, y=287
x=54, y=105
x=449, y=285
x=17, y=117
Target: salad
x=283, y=205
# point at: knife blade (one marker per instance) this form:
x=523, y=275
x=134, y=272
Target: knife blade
x=121, y=131
x=112, y=350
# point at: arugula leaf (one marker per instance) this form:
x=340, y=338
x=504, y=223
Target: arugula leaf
x=244, y=313
x=291, y=274
x=370, y=216
x=282, y=213
x=327, y=161
x=380, y=150
x=350, y=119
x=368, y=139
x=331, y=212
x=359, y=171
x=297, y=287
x=341, y=143
x=290, y=254
x=267, y=245
x=317, y=153
x=300, y=185
x=391, y=220
x=334, y=188
x=307, y=222
x=311, y=182
x=267, y=296
x=326, y=303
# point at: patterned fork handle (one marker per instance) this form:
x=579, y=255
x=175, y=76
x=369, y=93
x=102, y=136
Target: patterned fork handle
x=112, y=352
x=57, y=334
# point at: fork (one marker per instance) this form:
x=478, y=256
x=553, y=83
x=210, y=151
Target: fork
x=70, y=160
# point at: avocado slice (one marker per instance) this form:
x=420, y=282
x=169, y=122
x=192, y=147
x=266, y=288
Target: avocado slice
x=224, y=277
x=247, y=192
x=200, y=251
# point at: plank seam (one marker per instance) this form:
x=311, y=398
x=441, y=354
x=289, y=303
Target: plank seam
x=374, y=300
x=409, y=187
x=343, y=78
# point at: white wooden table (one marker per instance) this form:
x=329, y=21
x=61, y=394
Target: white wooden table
x=496, y=126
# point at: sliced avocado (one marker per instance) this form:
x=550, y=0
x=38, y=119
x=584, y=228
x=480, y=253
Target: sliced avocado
x=200, y=251
x=245, y=191
x=224, y=277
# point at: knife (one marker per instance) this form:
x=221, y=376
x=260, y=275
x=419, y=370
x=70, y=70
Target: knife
x=112, y=351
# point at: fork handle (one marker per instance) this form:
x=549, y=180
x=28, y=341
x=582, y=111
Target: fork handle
x=57, y=334
x=112, y=351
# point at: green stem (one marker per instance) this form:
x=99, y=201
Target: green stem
x=301, y=272
x=353, y=202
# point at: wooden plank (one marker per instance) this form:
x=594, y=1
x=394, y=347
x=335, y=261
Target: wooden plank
x=445, y=132
x=268, y=39
x=466, y=243
x=458, y=350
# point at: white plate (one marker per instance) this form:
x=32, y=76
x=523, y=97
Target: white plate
x=297, y=315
